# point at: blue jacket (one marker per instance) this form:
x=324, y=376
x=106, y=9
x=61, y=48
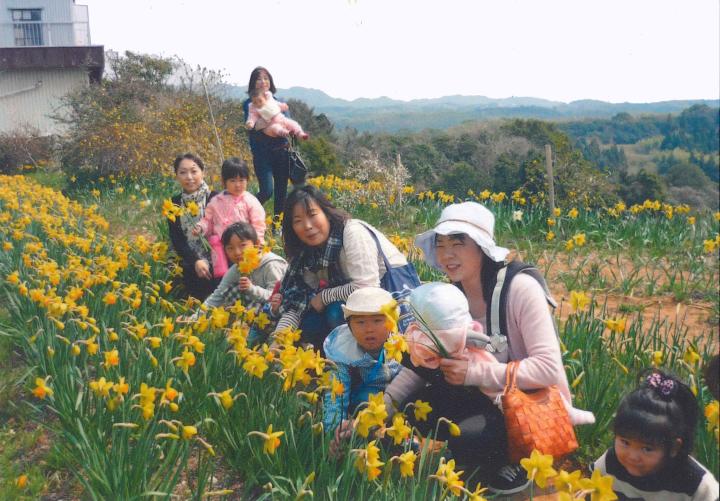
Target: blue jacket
x=360, y=373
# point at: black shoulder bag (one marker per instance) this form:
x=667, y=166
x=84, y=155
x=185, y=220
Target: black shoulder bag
x=297, y=170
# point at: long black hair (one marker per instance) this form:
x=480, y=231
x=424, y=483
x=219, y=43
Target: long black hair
x=660, y=410
x=256, y=74
x=306, y=195
x=488, y=269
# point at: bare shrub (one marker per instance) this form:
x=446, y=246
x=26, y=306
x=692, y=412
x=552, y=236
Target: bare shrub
x=24, y=147
x=392, y=176
x=148, y=111
x=706, y=198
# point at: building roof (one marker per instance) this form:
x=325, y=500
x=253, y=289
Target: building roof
x=92, y=58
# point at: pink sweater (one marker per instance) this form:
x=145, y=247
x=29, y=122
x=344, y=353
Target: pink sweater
x=532, y=340
x=225, y=209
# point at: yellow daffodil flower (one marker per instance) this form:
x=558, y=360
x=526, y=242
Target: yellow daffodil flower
x=41, y=389
x=539, y=468
x=599, y=486
x=271, y=439
x=421, y=410
x=407, y=463
x=579, y=301
x=112, y=358
x=447, y=475
x=395, y=346
x=368, y=461
x=399, y=430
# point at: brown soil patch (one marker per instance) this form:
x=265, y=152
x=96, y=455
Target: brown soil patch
x=698, y=315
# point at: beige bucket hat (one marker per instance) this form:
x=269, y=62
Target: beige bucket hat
x=366, y=301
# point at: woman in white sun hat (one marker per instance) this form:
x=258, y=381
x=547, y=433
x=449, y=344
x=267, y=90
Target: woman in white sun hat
x=462, y=245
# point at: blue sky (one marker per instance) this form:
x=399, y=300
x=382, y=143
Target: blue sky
x=612, y=50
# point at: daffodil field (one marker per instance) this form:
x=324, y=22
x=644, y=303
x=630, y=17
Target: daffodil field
x=144, y=407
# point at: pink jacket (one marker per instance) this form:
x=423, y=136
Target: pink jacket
x=532, y=340
x=225, y=209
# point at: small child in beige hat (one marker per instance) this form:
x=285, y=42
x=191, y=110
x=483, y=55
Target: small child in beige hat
x=356, y=350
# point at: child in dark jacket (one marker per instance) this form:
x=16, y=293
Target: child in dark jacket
x=357, y=351
x=654, y=431
x=194, y=198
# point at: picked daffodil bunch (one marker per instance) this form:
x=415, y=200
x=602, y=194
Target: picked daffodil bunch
x=250, y=260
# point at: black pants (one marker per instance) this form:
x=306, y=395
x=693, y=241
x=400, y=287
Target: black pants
x=199, y=288
x=481, y=447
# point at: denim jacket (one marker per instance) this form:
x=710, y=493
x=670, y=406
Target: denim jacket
x=360, y=374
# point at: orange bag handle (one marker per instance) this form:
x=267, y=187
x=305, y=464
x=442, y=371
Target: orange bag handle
x=510, y=376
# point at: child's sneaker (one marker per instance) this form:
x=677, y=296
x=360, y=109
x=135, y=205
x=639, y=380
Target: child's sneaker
x=509, y=479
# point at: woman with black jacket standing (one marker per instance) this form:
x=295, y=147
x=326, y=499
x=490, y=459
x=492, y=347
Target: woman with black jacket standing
x=195, y=255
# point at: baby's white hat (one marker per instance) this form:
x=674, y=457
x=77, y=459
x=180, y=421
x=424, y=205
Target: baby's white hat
x=442, y=306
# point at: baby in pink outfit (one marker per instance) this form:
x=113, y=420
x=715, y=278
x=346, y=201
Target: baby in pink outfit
x=266, y=113
x=443, y=322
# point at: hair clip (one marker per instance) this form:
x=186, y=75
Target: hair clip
x=662, y=385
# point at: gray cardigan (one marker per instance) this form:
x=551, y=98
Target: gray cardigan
x=272, y=268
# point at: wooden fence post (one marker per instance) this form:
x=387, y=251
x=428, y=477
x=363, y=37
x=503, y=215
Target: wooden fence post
x=550, y=179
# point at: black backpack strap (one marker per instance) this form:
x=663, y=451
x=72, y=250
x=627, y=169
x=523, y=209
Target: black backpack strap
x=496, y=316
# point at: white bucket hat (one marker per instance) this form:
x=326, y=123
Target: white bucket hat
x=366, y=301
x=442, y=306
x=470, y=218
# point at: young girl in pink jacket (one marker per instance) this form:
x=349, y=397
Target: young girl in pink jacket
x=234, y=204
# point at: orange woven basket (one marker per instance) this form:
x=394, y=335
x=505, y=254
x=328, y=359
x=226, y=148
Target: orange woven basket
x=537, y=420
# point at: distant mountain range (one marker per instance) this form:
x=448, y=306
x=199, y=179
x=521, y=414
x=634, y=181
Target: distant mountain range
x=392, y=115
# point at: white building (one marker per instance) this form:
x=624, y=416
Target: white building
x=45, y=53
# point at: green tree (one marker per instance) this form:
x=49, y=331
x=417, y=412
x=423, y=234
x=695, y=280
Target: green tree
x=697, y=128
x=507, y=173
x=460, y=178
x=320, y=157
x=636, y=188
x=576, y=180
x=687, y=174
x=133, y=67
x=315, y=125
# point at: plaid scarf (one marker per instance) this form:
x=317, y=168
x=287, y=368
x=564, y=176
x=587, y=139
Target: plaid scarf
x=188, y=222
x=296, y=293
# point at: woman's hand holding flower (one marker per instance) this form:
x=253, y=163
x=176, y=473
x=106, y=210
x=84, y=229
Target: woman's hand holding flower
x=454, y=370
x=202, y=269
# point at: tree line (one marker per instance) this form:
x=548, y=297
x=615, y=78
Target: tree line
x=148, y=109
